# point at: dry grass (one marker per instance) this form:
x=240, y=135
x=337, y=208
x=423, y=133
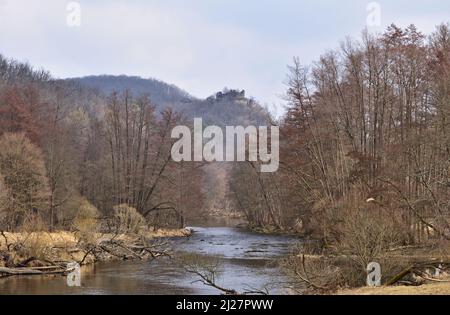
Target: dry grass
x=70, y=239
x=57, y=239
x=426, y=289
x=65, y=246
x=171, y=233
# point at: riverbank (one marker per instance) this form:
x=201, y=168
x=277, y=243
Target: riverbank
x=245, y=261
x=406, y=270
x=44, y=252
x=272, y=230
x=425, y=289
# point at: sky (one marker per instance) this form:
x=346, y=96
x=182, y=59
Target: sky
x=201, y=46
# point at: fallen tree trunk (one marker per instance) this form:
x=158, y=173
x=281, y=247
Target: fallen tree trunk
x=399, y=276
x=33, y=271
x=417, y=269
x=19, y=271
x=36, y=271
x=128, y=248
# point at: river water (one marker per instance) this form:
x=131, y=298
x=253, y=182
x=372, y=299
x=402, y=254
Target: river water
x=247, y=261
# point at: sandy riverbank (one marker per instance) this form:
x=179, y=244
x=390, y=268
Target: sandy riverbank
x=442, y=288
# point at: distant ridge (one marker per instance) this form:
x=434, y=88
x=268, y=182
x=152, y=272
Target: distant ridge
x=227, y=107
x=161, y=93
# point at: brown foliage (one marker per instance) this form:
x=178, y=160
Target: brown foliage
x=19, y=111
x=22, y=166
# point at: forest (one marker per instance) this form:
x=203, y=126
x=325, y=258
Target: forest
x=366, y=128
x=64, y=146
x=365, y=153
x=364, y=156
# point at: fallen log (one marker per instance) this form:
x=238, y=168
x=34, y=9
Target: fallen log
x=32, y=271
x=107, y=250
x=136, y=248
x=46, y=268
x=19, y=271
x=128, y=250
x=400, y=276
x=416, y=270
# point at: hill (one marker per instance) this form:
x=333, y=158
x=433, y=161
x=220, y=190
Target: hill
x=228, y=107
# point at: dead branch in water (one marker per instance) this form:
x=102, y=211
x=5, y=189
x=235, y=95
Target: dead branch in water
x=420, y=270
x=107, y=249
x=207, y=270
x=137, y=249
x=209, y=282
x=32, y=271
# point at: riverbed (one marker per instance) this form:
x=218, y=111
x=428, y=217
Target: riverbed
x=247, y=261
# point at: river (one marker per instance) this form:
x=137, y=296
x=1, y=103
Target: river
x=247, y=260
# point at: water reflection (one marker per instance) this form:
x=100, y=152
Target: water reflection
x=248, y=262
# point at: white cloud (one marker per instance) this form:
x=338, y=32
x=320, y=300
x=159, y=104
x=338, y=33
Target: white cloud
x=185, y=45
x=146, y=39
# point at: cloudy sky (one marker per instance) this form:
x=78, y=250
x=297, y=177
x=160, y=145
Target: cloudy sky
x=199, y=45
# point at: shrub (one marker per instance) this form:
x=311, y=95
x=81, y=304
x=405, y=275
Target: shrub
x=33, y=222
x=86, y=221
x=312, y=272
x=24, y=174
x=3, y=201
x=87, y=217
x=359, y=231
x=34, y=245
x=126, y=219
x=365, y=232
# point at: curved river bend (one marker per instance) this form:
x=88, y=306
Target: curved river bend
x=248, y=261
